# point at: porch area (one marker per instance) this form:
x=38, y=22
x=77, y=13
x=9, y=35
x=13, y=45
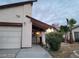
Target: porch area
x=38, y=31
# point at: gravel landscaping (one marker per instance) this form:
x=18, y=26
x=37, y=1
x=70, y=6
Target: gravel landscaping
x=66, y=51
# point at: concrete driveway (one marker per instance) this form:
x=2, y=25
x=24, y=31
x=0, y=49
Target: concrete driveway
x=8, y=53
x=35, y=52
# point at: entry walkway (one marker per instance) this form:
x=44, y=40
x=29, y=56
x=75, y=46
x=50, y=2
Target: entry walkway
x=35, y=52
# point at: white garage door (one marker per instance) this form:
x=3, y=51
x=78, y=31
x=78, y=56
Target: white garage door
x=10, y=37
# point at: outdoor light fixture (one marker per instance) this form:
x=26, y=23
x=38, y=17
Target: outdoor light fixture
x=37, y=33
x=18, y=16
x=49, y=30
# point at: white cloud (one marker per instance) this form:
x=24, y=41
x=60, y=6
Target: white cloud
x=51, y=11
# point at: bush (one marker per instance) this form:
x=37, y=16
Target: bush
x=54, y=40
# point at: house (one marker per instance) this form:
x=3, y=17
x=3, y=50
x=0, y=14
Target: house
x=75, y=34
x=17, y=29
x=39, y=29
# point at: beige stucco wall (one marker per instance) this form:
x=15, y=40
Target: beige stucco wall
x=74, y=30
x=17, y=15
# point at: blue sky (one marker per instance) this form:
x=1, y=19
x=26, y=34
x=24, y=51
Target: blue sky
x=56, y=11
x=2, y=2
x=53, y=11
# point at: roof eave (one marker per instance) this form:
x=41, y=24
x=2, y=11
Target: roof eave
x=45, y=26
x=16, y=4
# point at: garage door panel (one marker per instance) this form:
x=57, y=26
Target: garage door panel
x=10, y=37
x=8, y=46
x=11, y=28
x=9, y=41
x=10, y=33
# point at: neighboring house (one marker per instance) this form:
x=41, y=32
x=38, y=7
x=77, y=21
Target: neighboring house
x=17, y=28
x=75, y=34
x=56, y=26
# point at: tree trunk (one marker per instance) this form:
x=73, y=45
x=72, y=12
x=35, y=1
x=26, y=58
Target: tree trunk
x=65, y=38
x=71, y=38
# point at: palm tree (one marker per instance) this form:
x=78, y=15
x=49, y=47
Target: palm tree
x=64, y=30
x=70, y=24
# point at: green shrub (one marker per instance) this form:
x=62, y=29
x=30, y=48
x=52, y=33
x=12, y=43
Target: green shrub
x=54, y=40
